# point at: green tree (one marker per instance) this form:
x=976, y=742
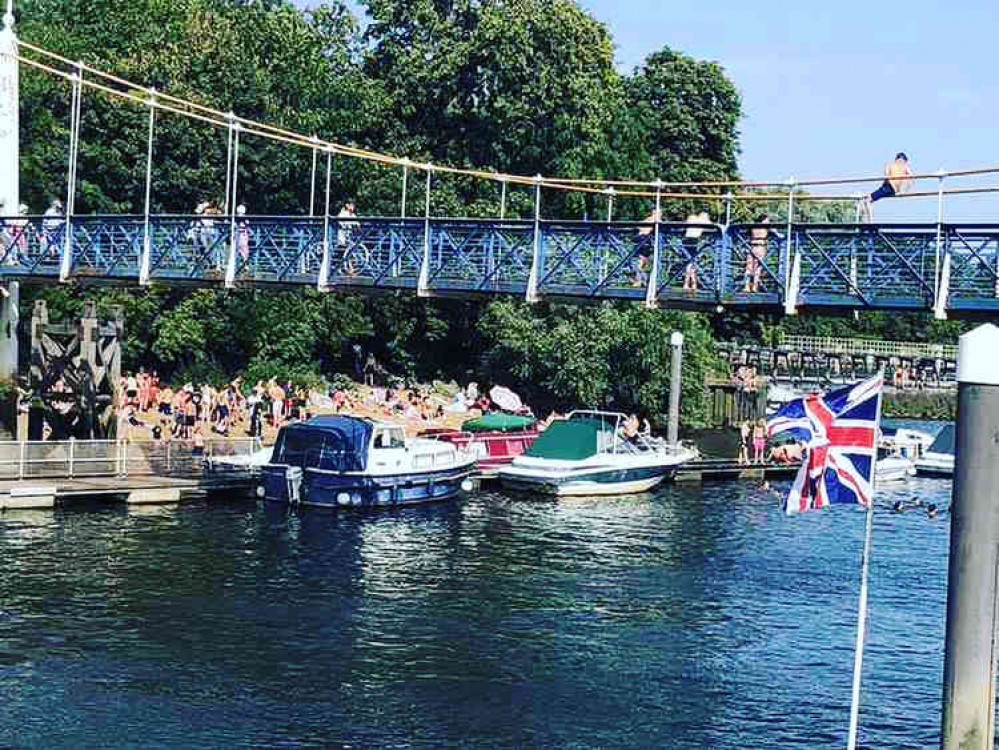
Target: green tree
x=616, y=356
x=268, y=62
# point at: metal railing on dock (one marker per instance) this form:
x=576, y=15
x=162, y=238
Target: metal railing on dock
x=878, y=348
x=101, y=458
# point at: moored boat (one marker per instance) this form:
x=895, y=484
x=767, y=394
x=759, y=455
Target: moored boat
x=938, y=459
x=898, y=451
x=495, y=439
x=343, y=461
x=589, y=454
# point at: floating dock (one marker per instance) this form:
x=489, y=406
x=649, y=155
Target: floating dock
x=47, y=493
x=709, y=469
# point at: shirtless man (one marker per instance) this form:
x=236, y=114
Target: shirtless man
x=897, y=179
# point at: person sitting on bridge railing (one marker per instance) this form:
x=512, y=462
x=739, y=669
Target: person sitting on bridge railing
x=897, y=180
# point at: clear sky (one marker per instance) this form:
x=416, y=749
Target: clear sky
x=835, y=89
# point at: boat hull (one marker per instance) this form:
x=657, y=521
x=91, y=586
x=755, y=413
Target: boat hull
x=350, y=490
x=595, y=481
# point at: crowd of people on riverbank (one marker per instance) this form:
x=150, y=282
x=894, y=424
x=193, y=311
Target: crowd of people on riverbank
x=193, y=412
x=151, y=408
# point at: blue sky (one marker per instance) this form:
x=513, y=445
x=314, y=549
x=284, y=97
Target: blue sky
x=835, y=89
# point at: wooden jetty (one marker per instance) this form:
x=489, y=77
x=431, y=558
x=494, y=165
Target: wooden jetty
x=708, y=469
x=138, y=490
x=42, y=474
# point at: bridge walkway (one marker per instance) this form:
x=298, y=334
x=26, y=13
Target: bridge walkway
x=930, y=267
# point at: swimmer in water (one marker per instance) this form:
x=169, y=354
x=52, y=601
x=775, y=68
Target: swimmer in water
x=898, y=507
x=931, y=511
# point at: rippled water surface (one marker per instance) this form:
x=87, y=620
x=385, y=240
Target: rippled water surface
x=697, y=617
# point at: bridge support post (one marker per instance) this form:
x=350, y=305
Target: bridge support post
x=312, y=184
x=972, y=589
x=792, y=263
x=230, y=266
x=323, y=280
x=532, y=279
x=405, y=188
x=9, y=184
x=652, y=291
x=147, y=241
x=423, y=285
x=74, y=148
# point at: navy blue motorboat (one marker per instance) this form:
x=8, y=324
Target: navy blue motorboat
x=343, y=461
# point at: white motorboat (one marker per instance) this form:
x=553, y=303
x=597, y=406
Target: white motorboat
x=898, y=451
x=938, y=459
x=589, y=454
x=894, y=469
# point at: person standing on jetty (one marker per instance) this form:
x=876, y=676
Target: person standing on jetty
x=759, y=441
x=744, y=443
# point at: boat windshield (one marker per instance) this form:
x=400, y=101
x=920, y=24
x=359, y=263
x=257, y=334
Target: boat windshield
x=326, y=446
x=944, y=441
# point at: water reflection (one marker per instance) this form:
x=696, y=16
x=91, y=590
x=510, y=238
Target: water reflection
x=696, y=617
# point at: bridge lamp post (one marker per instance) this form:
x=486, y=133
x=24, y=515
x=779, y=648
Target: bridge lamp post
x=503, y=188
x=610, y=204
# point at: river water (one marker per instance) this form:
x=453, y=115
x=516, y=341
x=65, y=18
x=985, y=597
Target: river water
x=697, y=617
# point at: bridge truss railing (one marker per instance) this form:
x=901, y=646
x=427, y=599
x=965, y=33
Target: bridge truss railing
x=904, y=266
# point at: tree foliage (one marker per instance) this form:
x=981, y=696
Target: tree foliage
x=520, y=86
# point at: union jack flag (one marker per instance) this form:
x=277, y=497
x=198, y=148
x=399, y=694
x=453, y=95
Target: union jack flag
x=839, y=432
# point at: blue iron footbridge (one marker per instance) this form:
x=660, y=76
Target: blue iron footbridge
x=943, y=268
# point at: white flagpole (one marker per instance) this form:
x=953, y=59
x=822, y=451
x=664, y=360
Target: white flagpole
x=858, y=652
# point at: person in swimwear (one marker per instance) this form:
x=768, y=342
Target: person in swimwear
x=898, y=178
x=759, y=442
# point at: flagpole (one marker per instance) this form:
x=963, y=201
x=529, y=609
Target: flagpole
x=858, y=652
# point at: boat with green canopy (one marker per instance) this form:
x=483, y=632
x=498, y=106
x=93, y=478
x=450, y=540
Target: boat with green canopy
x=592, y=453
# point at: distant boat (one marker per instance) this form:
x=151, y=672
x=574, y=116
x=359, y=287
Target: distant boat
x=898, y=451
x=343, y=461
x=495, y=439
x=247, y=465
x=588, y=454
x=938, y=460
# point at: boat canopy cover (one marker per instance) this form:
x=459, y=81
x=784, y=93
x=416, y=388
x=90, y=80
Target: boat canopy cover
x=944, y=441
x=498, y=422
x=571, y=440
x=332, y=443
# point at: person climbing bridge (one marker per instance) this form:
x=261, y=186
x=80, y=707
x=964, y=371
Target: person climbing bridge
x=898, y=179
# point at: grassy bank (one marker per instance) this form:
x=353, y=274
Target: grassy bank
x=921, y=405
